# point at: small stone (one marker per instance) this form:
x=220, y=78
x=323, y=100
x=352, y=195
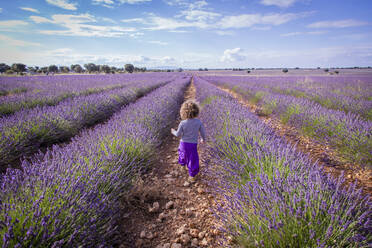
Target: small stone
x=176, y=245
x=180, y=230
x=167, y=245
x=153, y=225
x=161, y=160
x=169, y=156
x=168, y=176
x=200, y=190
x=159, y=246
x=194, y=233
x=185, y=238
x=201, y=235
x=188, y=212
x=142, y=234
x=186, y=184
x=194, y=243
x=162, y=216
x=155, y=207
x=139, y=243
x=169, y=205
x=149, y=235
x=204, y=242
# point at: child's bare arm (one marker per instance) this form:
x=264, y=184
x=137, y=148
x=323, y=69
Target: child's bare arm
x=178, y=132
x=202, y=133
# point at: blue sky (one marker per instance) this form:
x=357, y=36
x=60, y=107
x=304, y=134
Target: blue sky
x=187, y=34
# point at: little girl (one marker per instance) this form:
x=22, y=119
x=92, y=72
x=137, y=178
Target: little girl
x=189, y=129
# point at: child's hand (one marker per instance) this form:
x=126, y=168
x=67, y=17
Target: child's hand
x=202, y=141
x=172, y=130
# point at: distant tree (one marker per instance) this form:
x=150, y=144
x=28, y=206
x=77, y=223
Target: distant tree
x=336, y=72
x=318, y=68
x=64, y=69
x=18, y=67
x=53, y=68
x=76, y=68
x=44, y=69
x=129, y=68
x=205, y=69
x=33, y=69
x=285, y=70
x=179, y=69
x=248, y=71
x=4, y=67
x=200, y=69
x=326, y=70
x=168, y=70
x=105, y=68
x=10, y=71
x=297, y=68
x=90, y=67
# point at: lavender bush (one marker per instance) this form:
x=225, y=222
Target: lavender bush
x=50, y=90
x=70, y=196
x=273, y=195
x=26, y=131
x=347, y=132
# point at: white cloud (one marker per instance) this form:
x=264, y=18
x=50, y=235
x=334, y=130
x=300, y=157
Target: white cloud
x=13, y=42
x=249, y=20
x=40, y=19
x=198, y=15
x=176, y=2
x=337, y=24
x=81, y=25
x=220, y=32
x=64, y=4
x=30, y=9
x=157, y=42
x=303, y=33
x=134, y=1
x=105, y=3
x=279, y=3
x=161, y=23
x=105, y=19
x=139, y=20
x=232, y=55
x=198, y=4
x=12, y=25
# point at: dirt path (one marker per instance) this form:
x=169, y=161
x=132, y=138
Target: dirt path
x=163, y=211
x=324, y=155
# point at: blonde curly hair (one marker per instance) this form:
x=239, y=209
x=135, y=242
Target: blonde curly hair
x=189, y=110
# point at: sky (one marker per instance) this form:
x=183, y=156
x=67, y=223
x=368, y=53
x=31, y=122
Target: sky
x=187, y=34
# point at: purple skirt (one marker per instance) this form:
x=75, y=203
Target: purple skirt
x=188, y=155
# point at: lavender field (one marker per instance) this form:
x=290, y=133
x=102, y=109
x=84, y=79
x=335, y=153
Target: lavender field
x=73, y=146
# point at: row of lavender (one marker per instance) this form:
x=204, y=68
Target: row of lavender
x=26, y=131
x=348, y=93
x=347, y=132
x=273, y=195
x=32, y=91
x=70, y=196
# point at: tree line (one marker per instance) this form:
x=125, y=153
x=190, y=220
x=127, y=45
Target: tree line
x=20, y=68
